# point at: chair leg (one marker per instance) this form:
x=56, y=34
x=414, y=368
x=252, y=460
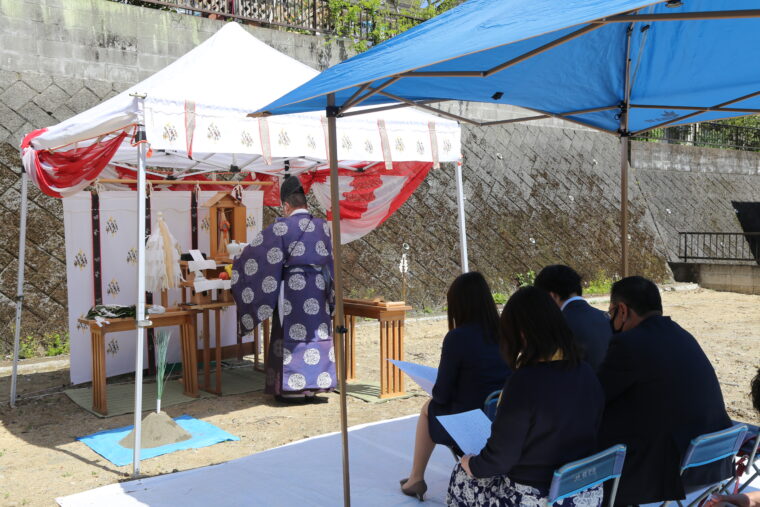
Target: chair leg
x=752, y=478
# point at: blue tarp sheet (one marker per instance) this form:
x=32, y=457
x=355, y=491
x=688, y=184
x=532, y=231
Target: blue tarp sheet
x=106, y=443
x=697, y=63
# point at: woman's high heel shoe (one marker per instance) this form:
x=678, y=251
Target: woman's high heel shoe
x=417, y=489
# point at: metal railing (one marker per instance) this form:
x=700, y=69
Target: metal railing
x=313, y=16
x=719, y=246
x=709, y=134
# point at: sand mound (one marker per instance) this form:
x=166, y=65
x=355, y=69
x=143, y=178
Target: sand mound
x=157, y=429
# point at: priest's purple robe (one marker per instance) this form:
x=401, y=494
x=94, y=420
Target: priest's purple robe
x=285, y=273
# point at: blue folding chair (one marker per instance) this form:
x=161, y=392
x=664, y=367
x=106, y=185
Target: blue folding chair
x=749, y=450
x=587, y=473
x=709, y=448
x=491, y=404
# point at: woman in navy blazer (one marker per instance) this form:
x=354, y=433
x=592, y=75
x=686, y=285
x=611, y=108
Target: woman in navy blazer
x=470, y=369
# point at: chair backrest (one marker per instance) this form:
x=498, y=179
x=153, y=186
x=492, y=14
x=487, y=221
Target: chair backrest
x=715, y=446
x=584, y=474
x=491, y=403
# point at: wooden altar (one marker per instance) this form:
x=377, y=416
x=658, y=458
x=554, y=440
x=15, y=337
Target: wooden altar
x=391, y=315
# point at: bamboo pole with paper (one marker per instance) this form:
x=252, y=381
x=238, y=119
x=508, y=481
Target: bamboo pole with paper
x=161, y=346
x=162, y=254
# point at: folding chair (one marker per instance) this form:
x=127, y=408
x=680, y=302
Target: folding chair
x=709, y=448
x=587, y=473
x=749, y=450
x=491, y=404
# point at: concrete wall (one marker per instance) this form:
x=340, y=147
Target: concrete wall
x=537, y=193
x=690, y=188
x=732, y=278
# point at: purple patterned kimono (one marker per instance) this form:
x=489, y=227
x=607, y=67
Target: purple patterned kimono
x=286, y=273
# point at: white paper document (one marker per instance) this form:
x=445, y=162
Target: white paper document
x=424, y=375
x=198, y=263
x=470, y=430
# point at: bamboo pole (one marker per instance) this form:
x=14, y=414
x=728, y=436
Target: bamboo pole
x=340, y=328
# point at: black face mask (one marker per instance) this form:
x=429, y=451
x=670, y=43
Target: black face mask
x=612, y=322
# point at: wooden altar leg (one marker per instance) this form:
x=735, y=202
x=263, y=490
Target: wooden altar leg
x=218, y=343
x=401, y=353
x=190, y=361
x=351, y=347
x=267, y=329
x=256, y=342
x=383, y=362
x=99, y=397
x=206, y=351
x=239, y=337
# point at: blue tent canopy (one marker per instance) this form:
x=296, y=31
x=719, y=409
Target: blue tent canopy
x=683, y=62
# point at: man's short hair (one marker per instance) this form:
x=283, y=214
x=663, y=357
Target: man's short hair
x=756, y=391
x=560, y=279
x=296, y=200
x=640, y=294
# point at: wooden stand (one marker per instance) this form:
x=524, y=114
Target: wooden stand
x=184, y=319
x=263, y=331
x=205, y=309
x=391, y=316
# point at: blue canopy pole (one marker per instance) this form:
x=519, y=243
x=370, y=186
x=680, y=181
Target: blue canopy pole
x=625, y=152
x=339, y=329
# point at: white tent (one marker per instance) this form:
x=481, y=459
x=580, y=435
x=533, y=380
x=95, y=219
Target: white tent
x=193, y=115
x=198, y=105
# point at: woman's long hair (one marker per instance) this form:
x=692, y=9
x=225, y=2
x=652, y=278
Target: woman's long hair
x=532, y=329
x=470, y=301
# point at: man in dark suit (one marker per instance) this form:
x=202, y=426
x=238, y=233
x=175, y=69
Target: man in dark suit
x=591, y=327
x=661, y=392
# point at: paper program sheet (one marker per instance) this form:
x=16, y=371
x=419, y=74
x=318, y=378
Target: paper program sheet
x=424, y=375
x=470, y=430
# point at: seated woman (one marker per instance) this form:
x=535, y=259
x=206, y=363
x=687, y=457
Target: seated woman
x=470, y=369
x=549, y=415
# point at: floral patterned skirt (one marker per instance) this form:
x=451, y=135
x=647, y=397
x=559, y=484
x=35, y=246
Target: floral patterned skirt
x=500, y=491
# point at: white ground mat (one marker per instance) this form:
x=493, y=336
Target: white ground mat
x=307, y=472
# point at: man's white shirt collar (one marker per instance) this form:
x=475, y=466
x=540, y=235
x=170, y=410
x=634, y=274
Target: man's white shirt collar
x=570, y=300
x=299, y=210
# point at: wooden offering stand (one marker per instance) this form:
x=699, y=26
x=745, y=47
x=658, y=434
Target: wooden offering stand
x=202, y=302
x=184, y=319
x=391, y=315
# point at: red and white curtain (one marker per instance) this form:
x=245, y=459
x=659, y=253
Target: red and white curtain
x=369, y=196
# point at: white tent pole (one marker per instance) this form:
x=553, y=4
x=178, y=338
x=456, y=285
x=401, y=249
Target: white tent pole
x=20, y=282
x=140, y=309
x=462, y=224
x=340, y=328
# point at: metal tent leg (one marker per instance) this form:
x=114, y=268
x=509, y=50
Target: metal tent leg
x=462, y=225
x=140, y=309
x=340, y=329
x=20, y=282
x=625, y=143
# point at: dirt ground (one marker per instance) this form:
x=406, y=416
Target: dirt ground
x=40, y=458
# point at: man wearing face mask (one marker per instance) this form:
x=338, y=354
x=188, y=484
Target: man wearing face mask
x=661, y=391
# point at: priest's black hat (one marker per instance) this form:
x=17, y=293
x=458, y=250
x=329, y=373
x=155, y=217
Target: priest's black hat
x=290, y=185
